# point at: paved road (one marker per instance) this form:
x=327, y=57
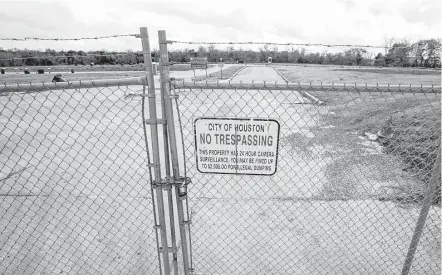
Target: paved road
x=257, y=73
x=187, y=75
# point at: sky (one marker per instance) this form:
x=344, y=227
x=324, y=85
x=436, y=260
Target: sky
x=312, y=21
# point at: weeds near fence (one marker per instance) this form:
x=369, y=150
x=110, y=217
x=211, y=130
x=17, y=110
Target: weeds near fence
x=414, y=121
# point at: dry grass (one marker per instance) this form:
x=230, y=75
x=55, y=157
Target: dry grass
x=350, y=75
x=415, y=119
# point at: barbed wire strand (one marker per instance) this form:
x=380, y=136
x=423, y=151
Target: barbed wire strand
x=206, y=42
x=71, y=56
x=286, y=44
x=68, y=39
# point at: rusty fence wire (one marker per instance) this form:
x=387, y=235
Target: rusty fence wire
x=354, y=165
x=75, y=195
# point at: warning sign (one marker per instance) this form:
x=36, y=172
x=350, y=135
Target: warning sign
x=198, y=62
x=236, y=145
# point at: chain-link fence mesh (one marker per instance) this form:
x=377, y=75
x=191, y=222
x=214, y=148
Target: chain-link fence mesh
x=353, y=167
x=75, y=194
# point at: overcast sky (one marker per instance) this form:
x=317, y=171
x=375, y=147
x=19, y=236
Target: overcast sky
x=303, y=21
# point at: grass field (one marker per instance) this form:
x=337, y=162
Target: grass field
x=351, y=75
x=415, y=119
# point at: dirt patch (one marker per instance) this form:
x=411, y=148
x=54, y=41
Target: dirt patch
x=410, y=123
x=355, y=168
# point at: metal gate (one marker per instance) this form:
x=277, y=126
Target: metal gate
x=340, y=201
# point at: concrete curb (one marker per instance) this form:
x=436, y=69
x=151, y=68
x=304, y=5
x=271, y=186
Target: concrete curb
x=303, y=93
x=230, y=79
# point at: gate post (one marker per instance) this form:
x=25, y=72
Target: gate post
x=165, y=86
x=428, y=200
x=155, y=149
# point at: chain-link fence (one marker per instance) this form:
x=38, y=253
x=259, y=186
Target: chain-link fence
x=83, y=170
x=354, y=163
x=75, y=195
x=353, y=166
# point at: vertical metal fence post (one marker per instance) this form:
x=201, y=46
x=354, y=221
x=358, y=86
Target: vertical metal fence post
x=155, y=147
x=428, y=200
x=169, y=190
x=165, y=78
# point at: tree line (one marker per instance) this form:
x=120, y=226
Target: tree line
x=397, y=53
x=49, y=57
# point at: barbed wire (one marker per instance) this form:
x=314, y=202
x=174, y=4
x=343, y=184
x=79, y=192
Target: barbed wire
x=286, y=44
x=69, y=39
x=71, y=56
x=207, y=42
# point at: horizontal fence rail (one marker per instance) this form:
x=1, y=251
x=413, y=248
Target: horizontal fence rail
x=305, y=86
x=39, y=87
x=269, y=85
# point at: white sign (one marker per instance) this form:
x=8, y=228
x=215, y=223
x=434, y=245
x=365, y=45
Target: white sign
x=220, y=64
x=247, y=146
x=198, y=62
